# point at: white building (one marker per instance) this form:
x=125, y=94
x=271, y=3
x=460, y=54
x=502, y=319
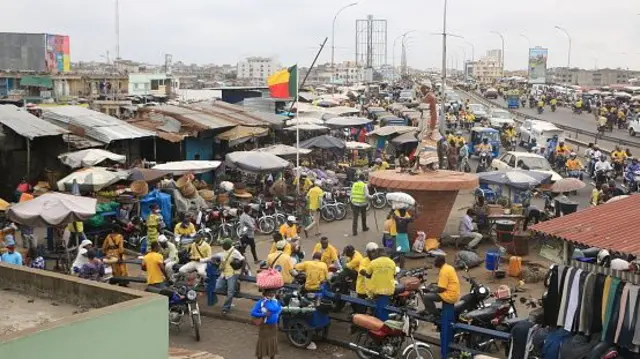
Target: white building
x=155, y=84
x=257, y=69
x=347, y=72
x=488, y=68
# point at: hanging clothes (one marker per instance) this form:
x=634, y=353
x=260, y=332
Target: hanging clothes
x=553, y=343
x=613, y=309
x=520, y=337
x=576, y=316
x=605, y=297
x=552, y=302
x=568, y=278
x=587, y=303
x=626, y=337
x=572, y=304
x=623, y=309
x=595, y=321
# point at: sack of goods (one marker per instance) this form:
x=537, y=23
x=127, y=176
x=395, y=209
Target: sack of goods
x=226, y=186
x=400, y=200
x=269, y=279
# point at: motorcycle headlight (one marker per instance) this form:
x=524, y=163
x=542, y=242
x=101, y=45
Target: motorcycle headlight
x=192, y=295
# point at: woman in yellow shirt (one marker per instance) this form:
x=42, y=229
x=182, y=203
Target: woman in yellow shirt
x=390, y=231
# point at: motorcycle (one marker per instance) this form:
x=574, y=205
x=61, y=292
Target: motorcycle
x=407, y=292
x=618, y=170
x=532, y=103
x=633, y=185
x=577, y=110
x=540, y=110
x=182, y=303
x=378, y=199
x=483, y=163
x=386, y=340
x=510, y=144
x=602, y=177
x=553, y=108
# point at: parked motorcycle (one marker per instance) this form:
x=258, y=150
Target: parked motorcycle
x=553, y=108
x=386, y=340
x=540, y=110
x=182, y=303
x=483, y=163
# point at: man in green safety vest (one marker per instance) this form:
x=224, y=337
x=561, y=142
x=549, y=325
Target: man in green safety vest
x=359, y=199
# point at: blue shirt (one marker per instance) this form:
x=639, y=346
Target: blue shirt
x=12, y=258
x=271, y=305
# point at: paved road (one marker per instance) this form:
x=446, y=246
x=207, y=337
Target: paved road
x=566, y=117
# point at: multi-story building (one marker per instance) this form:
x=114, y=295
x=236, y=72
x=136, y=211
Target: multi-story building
x=487, y=69
x=256, y=69
x=34, y=52
x=601, y=77
x=154, y=84
x=347, y=72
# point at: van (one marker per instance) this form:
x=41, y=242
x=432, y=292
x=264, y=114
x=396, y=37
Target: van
x=541, y=131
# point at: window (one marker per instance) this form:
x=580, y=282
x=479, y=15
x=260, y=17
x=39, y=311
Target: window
x=155, y=84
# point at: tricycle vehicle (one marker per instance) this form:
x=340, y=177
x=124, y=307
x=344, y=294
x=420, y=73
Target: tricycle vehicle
x=480, y=133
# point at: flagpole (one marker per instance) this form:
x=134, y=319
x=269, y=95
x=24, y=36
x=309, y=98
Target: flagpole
x=297, y=130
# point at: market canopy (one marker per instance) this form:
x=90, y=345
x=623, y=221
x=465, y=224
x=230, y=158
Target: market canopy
x=307, y=127
x=352, y=145
x=52, y=209
x=392, y=130
x=254, y=161
x=305, y=120
x=283, y=150
x=407, y=137
x=146, y=174
x=323, y=142
x=190, y=166
x=240, y=134
x=91, y=179
x=347, y=121
x=89, y=157
x=519, y=179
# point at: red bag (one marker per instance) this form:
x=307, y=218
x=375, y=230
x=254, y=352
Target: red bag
x=269, y=279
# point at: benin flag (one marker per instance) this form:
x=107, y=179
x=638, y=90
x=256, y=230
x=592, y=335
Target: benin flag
x=284, y=83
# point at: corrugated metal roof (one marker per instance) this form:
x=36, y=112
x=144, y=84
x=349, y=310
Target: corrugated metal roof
x=26, y=124
x=608, y=226
x=95, y=125
x=241, y=115
x=206, y=121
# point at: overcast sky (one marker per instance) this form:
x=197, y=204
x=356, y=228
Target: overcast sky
x=604, y=33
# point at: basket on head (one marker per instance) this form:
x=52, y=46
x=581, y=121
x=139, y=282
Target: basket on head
x=186, y=187
x=207, y=194
x=139, y=187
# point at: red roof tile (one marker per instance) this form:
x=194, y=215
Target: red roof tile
x=611, y=226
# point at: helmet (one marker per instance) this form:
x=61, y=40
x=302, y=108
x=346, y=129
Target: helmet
x=291, y=219
x=371, y=246
x=317, y=183
x=378, y=160
x=573, y=154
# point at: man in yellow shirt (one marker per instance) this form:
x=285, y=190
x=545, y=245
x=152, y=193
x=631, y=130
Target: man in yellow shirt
x=380, y=165
x=76, y=229
x=381, y=283
x=277, y=237
x=199, y=253
x=153, y=264
x=329, y=253
x=447, y=289
x=361, y=287
x=281, y=261
x=316, y=270
x=184, y=228
x=562, y=149
x=574, y=166
x=305, y=183
x=314, y=201
x=289, y=230
x=228, y=278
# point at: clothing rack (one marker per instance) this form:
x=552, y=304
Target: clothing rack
x=626, y=276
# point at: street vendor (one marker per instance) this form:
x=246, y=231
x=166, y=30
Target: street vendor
x=185, y=227
x=402, y=218
x=113, y=246
x=155, y=224
x=380, y=165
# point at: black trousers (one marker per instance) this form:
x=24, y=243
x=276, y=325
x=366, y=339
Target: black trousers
x=251, y=242
x=362, y=212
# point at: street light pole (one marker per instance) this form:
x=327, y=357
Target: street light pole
x=393, y=57
x=569, y=38
x=333, y=37
x=444, y=70
x=502, y=51
x=473, y=50
x=526, y=38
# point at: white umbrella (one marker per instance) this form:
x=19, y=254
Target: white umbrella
x=283, y=150
x=192, y=166
x=91, y=179
x=347, y=121
x=307, y=127
x=392, y=130
x=621, y=94
x=256, y=161
x=335, y=97
x=52, y=209
x=352, y=145
x=89, y=157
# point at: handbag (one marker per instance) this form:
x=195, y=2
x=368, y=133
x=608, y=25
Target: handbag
x=269, y=279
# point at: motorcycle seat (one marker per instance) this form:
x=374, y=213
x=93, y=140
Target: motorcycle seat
x=410, y=283
x=459, y=306
x=512, y=321
x=399, y=289
x=394, y=324
x=367, y=322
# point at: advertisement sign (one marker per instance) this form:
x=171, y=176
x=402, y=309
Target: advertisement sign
x=57, y=54
x=538, y=65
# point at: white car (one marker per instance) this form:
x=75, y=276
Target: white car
x=499, y=118
x=634, y=125
x=479, y=111
x=524, y=161
x=541, y=131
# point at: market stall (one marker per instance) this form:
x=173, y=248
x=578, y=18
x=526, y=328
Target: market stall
x=90, y=158
x=91, y=179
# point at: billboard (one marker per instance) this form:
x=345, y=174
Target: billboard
x=538, y=65
x=57, y=53
x=22, y=52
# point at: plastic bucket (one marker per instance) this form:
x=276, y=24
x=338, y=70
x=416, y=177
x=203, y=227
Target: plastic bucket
x=492, y=259
x=505, y=225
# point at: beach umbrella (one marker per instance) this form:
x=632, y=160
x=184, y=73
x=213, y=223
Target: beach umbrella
x=89, y=158
x=323, y=142
x=254, y=161
x=283, y=150
x=191, y=166
x=307, y=127
x=91, y=179
x=519, y=179
x=352, y=145
x=52, y=209
x=347, y=121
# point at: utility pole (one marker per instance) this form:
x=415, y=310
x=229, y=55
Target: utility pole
x=117, y=30
x=444, y=70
